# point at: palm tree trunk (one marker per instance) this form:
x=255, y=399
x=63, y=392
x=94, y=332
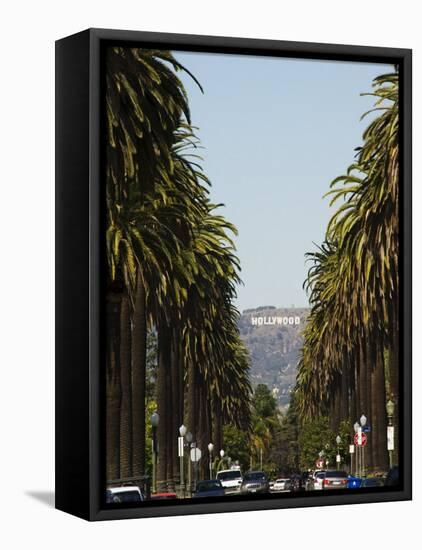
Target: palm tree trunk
x=379, y=432
x=393, y=365
x=191, y=399
x=139, y=350
x=163, y=404
x=113, y=387
x=126, y=381
x=217, y=426
x=176, y=419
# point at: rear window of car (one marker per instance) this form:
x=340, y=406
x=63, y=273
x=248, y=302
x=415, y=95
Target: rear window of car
x=336, y=473
x=232, y=474
x=258, y=476
x=209, y=486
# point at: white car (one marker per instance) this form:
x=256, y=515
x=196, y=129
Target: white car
x=123, y=494
x=282, y=484
x=318, y=483
x=231, y=480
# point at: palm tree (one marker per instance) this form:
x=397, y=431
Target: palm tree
x=354, y=281
x=144, y=104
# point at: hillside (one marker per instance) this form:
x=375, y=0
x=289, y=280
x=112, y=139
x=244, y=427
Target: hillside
x=273, y=338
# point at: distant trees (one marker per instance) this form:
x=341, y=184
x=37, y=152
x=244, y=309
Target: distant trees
x=172, y=272
x=349, y=361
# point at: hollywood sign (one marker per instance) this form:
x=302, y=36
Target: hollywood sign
x=259, y=321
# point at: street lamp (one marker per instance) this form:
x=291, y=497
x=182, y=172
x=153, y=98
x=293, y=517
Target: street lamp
x=357, y=427
x=338, y=441
x=222, y=453
x=363, y=420
x=390, y=430
x=181, y=442
x=155, y=419
x=210, y=450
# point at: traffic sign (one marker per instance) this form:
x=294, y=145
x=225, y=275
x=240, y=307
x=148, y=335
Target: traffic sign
x=363, y=439
x=319, y=463
x=195, y=454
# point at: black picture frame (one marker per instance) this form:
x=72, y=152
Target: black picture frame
x=79, y=431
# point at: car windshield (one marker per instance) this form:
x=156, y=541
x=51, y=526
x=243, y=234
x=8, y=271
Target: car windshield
x=208, y=486
x=255, y=476
x=336, y=473
x=320, y=475
x=231, y=474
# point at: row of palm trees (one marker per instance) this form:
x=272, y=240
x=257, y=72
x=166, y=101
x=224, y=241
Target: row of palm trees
x=349, y=363
x=172, y=268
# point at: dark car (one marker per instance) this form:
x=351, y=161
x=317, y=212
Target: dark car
x=335, y=479
x=296, y=483
x=372, y=482
x=393, y=476
x=209, y=488
x=255, y=482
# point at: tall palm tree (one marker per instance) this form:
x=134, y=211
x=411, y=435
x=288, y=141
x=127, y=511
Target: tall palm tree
x=354, y=280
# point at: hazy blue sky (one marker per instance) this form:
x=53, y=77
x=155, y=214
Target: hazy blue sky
x=275, y=133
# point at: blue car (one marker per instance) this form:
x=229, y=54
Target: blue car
x=354, y=482
x=209, y=488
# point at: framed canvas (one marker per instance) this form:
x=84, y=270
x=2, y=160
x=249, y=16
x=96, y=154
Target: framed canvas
x=233, y=275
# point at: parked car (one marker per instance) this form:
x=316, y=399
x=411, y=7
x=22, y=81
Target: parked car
x=209, y=488
x=316, y=480
x=372, y=482
x=123, y=494
x=231, y=480
x=282, y=484
x=255, y=482
x=335, y=479
x=296, y=483
x=354, y=482
x=393, y=476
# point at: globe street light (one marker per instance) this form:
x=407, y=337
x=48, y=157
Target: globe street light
x=356, y=427
x=390, y=430
x=210, y=450
x=363, y=420
x=155, y=419
x=222, y=453
x=181, y=449
x=338, y=441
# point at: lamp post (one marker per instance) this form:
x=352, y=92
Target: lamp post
x=181, y=448
x=338, y=458
x=356, y=427
x=189, y=438
x=155, y=419
x=363, y=420
x=390, y=431
x=210, y=450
